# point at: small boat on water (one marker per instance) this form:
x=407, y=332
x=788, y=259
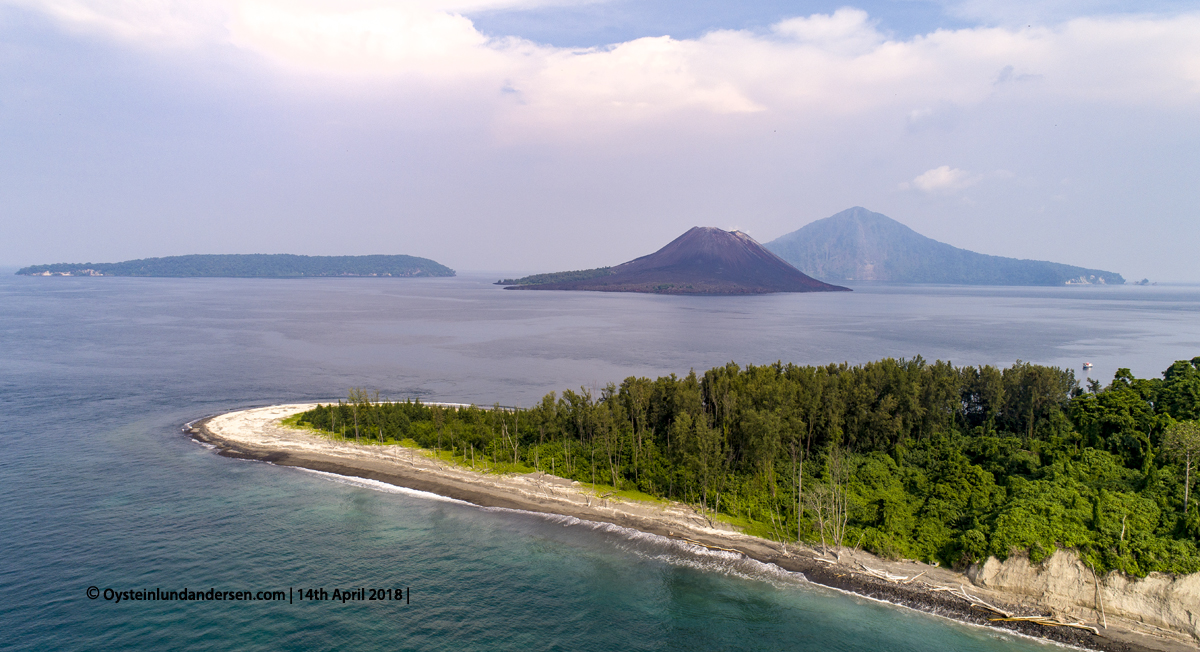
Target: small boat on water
x=1087, y=365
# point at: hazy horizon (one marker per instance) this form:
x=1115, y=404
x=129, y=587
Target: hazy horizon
x=545, y=135
x=520, y=271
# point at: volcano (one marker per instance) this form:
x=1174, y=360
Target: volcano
x=859, y=245
x=705, y=260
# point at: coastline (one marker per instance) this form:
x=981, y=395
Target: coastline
x=257, y=435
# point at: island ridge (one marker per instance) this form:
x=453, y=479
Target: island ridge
x=250, y=266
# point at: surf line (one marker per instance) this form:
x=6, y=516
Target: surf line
x=764, y=571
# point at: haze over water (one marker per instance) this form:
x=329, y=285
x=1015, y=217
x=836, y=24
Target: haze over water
x=100, y=487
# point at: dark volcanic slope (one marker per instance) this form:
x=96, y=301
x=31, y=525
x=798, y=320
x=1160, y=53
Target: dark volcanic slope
x=858, y=245
x=704, y=260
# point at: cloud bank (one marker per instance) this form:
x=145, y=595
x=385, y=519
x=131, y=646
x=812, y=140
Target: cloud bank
x=820, y=64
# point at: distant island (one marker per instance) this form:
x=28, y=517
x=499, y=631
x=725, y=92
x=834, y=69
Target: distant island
x=558, y=277
x=859, y=245
x=250, y=266
x=705, y=260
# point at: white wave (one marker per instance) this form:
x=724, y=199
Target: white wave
x=377, y=485
x=992, y=630
x=676, y=552
x=187, y=430
x=655, y=547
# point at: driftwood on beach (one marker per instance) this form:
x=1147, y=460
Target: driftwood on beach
x=974, y=601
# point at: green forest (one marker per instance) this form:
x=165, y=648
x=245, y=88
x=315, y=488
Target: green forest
x=557, y=277
x=250, y=266
x=903, y=458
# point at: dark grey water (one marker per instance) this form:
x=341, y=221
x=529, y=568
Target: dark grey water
x=100, y=488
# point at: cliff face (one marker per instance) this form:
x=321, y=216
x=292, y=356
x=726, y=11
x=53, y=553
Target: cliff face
x=1064, y=584
x=704, y=260
x=859, y=245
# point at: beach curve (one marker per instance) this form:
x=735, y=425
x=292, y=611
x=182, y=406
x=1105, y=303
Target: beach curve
x=257, y=434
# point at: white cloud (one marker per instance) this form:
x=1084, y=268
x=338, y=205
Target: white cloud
x=943, y=179
x=846, y=31
x=147, y=21
x=641, y=79
x=184, y=22
x=820, y=66
x=359, y=38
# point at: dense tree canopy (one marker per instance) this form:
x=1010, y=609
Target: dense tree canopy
x=902, y=457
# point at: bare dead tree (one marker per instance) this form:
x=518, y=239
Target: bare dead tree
x=818, y=501
x=830, y=500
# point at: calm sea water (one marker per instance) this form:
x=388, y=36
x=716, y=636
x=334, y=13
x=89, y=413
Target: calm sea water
x=100, y=488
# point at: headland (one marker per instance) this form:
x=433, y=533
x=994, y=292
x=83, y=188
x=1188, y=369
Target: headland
x=975, y=597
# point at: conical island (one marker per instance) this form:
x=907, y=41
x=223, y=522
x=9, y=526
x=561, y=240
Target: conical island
x=859, y=245
x=705, y=260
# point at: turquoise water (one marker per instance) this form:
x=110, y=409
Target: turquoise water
x=100, y=487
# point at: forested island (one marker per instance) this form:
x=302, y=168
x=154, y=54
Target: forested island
x=558, y=277
x=250, y=266
x=859, y=245
x=903, y=458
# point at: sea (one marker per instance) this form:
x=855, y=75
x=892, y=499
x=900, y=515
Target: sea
x=103, y=496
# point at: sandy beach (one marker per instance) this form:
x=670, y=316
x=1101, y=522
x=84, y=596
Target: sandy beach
x=257, y=434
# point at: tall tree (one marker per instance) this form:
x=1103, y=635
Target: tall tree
x=1182, y=442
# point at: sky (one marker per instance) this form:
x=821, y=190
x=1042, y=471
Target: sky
x=542, y=135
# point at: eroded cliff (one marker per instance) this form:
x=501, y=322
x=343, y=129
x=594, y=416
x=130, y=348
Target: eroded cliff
x=1064, y=584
